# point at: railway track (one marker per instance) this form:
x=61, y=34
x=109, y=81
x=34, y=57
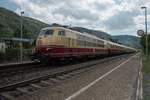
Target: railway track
x=17, y=66
x=11, y=91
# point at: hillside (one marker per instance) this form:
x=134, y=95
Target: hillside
x=10, y=24
x=128, y=40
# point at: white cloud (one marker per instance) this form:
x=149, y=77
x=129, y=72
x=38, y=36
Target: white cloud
x=114, y=16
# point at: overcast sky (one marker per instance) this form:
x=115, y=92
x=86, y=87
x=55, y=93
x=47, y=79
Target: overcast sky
x=115, y=17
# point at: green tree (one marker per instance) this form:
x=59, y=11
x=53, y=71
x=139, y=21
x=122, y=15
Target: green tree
x=142, y=41
x=16, y=33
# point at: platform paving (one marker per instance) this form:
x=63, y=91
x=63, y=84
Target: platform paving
x=113, y=80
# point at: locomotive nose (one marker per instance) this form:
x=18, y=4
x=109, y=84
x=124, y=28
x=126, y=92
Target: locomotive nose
x=39, y=42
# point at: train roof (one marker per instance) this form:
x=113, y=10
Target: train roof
x=84, y=33
x=120, y=45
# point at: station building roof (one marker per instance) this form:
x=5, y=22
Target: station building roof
x=17, y=39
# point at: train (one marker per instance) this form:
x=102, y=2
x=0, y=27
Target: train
x=59, y=43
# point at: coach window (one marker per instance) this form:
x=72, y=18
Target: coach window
x=62, y=33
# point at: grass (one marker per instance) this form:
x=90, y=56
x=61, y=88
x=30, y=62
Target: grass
x=146, y=65
x=146, y=77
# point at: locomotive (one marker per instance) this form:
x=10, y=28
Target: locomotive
x=59, y=43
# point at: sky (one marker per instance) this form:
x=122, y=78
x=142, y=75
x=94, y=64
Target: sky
x=116, y=17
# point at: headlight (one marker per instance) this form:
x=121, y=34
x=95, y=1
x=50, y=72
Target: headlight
x=39, y=42
x=33, y=50
x=47, y=49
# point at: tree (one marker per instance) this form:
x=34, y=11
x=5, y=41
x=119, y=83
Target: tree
x=142, y=41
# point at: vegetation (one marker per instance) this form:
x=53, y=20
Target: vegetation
x=145, y=59
x=146, y=68
x=10, y=25
x=13, y=54
x=146, y=65
x=143, y=43
x=146, y=77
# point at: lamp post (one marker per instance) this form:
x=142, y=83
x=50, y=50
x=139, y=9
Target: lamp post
x=21, y=55
x=146, y=37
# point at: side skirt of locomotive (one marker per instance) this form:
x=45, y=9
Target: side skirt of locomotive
x=58, y=54
x=50, y=55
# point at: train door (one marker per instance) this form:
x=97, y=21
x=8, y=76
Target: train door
x=107, y=47
x=69, y=42
x=72, y=42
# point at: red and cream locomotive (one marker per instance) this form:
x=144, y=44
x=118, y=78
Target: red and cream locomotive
x=55, y=43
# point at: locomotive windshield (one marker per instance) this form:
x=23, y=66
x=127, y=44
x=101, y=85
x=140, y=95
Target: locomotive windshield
x=62, y=33
x=46, y=32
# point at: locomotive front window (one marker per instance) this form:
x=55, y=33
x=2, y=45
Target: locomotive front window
x=46, y=32
x=62, y=33
x=49, y=32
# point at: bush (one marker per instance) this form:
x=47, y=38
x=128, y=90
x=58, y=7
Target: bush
x=14, y=54
x=2, y=56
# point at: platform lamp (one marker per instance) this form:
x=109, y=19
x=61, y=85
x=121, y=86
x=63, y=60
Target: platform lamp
x=146, y=35
x=21, y=55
